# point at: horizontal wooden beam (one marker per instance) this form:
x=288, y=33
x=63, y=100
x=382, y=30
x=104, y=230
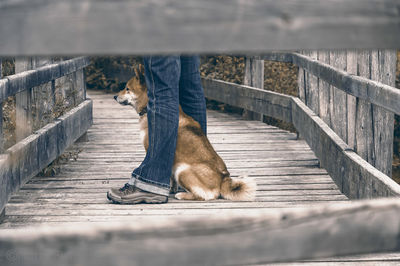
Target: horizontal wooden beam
x=14, y=84
x=30, y=155
x=372, y=91
x=237, y=239
x=261, y=101
x=48, y=27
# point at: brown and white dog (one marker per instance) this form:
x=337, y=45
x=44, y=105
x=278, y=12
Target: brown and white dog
x=197, y=167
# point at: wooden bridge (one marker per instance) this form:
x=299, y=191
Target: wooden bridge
x=309, y=184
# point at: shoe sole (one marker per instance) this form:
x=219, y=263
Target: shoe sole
x=136, y=200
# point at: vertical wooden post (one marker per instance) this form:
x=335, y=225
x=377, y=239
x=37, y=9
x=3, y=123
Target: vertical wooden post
x=383, y=69
x=351, y=101
x=23, y=123
x=1, y=114
x=254, y=77
x=364, y=131
x=338, y=99
x=302, y=84
x=324, y=92
x=312, y=91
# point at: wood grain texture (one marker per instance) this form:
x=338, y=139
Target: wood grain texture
x=264, y=236
x=253, y=77
x=1, y=113
x=23, y=103
x=324, y=91
x=355, y=177
x=338, y=104
x=351, y=100
x=174, y=26
x=361, y=87
x=383, y=69
x=265, y=102
x=19, y=82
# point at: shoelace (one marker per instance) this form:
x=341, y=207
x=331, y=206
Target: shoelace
x=125, y=187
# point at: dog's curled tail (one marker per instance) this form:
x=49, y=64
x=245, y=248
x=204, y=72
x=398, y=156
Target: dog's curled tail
x=238, y=189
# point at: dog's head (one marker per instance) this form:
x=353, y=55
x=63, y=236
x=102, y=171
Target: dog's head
x=135, y=91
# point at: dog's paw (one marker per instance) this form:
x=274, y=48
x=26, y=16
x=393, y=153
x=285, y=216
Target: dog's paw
x=180, y=195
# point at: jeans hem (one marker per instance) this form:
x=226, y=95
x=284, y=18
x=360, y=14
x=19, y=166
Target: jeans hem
x=138, y=182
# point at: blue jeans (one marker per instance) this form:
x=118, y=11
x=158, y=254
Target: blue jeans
x=171, y=81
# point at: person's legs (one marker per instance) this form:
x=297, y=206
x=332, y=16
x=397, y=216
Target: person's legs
x=153, y=174
x=162, y=80
x=191, y=94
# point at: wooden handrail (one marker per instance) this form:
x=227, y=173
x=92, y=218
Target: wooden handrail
x=19, y=82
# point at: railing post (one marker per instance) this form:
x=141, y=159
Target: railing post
x=338, y=100
x=23, y=103
x=253, y=77
x=31, y=103
x=1, y=114
x=383, y=69
x=351, y=101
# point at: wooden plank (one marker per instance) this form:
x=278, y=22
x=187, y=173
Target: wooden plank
x=383, y=69
x=361, y=87
x=338, y=105
x=351, y=101
x=364, y=130
x=253, y=77
x=354, y=176
x=264, y=235
x=265, y=102
x=312, y=93
x=174, y=26
x=23, y=103
x=1, y=114
x=30, y=155
x=324, y=91
x=29, y=79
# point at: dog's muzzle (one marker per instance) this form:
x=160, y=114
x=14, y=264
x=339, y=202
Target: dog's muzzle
x=115, y=97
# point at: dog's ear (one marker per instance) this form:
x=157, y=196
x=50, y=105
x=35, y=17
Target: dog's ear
x=141, y=69
x=136, y=72
x=140, y=74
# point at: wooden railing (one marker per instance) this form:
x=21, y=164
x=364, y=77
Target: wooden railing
x=37, y=147
x=356, y=177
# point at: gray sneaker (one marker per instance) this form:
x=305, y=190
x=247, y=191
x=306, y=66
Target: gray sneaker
x=129, y=194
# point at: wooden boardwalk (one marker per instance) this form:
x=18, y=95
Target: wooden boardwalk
x=286, y=171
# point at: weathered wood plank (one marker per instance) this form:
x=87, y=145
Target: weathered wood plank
x=362, y=87
x=324, y=91
x=253, y=77
x=265, y=102
x=351, y=101
x=23, y=103
x=355, y=177
x=312, y=94
x=29, y=79
x=174, y=26
x=264, y=236
x=364, y=130
x=383, y=69
x=1, y=112
x=338, y=105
